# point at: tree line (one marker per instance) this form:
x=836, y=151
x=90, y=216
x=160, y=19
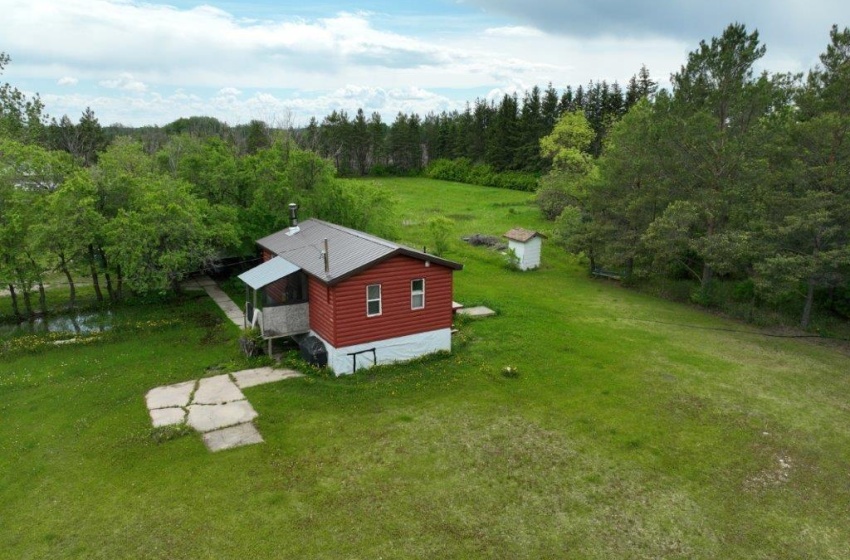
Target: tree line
x=503, y=134
x=737, y=181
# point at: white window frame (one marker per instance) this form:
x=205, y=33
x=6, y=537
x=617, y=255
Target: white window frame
x=414, y=292
x=371, y=300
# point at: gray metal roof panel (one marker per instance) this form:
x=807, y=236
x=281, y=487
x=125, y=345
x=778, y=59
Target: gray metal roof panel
x=268, y=272
x=349, y=250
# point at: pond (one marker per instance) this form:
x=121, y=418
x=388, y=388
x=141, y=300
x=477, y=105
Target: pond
x=77, y=323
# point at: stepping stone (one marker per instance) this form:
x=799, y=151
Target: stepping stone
x=167, y=416
x=170, y=395
x=479, y=311
x=235, y=436
x=206, y=418
x=259, y=376
x=217, y=390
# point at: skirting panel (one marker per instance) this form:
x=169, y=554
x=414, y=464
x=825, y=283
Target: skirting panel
x=342, y=360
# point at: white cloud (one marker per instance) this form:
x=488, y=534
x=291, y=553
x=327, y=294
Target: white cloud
x=67, y=81
x=202, y=46
x=125, y=82
x=149, y=56
x=519, y=31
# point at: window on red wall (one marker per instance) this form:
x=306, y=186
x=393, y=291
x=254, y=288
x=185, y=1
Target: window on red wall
x=373, y=300
x=417, y=293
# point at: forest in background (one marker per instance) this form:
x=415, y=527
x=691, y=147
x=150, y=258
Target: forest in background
x=734, y=183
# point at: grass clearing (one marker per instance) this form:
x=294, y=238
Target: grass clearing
x=626, y=433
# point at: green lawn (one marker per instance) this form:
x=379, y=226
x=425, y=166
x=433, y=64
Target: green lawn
x=637, y=428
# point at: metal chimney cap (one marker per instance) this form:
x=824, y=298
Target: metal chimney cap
x=293, y=217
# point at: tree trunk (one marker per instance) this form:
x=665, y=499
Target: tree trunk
x=94, y=279
x=15, y=309
x=109, y=291
x=63, y=265
x=27, y=302
x=106, y=274
x=807, y=308
x=42, y=298
x=119, y=286
x=707, y=275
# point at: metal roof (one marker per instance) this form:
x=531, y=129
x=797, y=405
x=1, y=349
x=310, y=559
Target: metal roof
x=349, y=250
x=268, y=272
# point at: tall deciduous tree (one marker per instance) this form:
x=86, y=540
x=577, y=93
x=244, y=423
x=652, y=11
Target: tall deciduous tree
x=21, y=118
x=166, y=233
x=70, y=224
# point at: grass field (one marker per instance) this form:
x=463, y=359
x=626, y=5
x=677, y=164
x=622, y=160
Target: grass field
x=636, y=428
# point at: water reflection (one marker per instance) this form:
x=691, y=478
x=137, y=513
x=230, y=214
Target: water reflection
x=77, y=323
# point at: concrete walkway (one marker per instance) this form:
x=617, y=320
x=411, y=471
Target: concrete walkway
x=233, y=312
x=214, y=406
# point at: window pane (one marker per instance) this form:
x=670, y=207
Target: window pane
x=373, y=291
x=417, y=293
x=373, y=299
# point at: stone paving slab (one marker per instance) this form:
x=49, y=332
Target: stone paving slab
x=479, y=311
x=170, y=395
x=167, y=416
x=259, y=376
x=206, y=418
x=217, y=390
x=218, y=408
x=234, y=436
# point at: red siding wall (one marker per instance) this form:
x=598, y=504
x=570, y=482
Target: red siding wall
x=321, y=309
x=351, y=324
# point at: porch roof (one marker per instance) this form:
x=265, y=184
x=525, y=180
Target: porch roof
x=268, y=272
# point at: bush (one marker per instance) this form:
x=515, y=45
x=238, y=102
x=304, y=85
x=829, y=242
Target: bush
x=462, y=170
x=440, y=229
x=552, y=202
x=516, y=180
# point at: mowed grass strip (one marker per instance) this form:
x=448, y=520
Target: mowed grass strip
x=632, y=430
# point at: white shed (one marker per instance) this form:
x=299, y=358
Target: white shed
x=526, y=245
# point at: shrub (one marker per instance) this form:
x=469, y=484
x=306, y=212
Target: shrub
x=552, y=202
x=462, y=170
x=440, y=229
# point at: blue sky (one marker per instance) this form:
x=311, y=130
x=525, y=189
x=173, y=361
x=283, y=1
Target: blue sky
x=281, y=61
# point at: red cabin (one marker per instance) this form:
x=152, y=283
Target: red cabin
x=368, y=300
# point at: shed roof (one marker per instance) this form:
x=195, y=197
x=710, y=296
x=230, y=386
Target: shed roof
x=268, y=272
x=523, y=235
x=349, y=251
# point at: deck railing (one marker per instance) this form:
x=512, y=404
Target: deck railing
x=284, y=320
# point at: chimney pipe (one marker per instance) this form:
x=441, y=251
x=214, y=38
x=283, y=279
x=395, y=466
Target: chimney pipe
x=293, y=215
x=326, y=257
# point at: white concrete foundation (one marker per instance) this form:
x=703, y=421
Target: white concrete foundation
x=387, y=351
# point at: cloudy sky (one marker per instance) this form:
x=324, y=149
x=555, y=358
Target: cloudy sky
x=282, y=61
